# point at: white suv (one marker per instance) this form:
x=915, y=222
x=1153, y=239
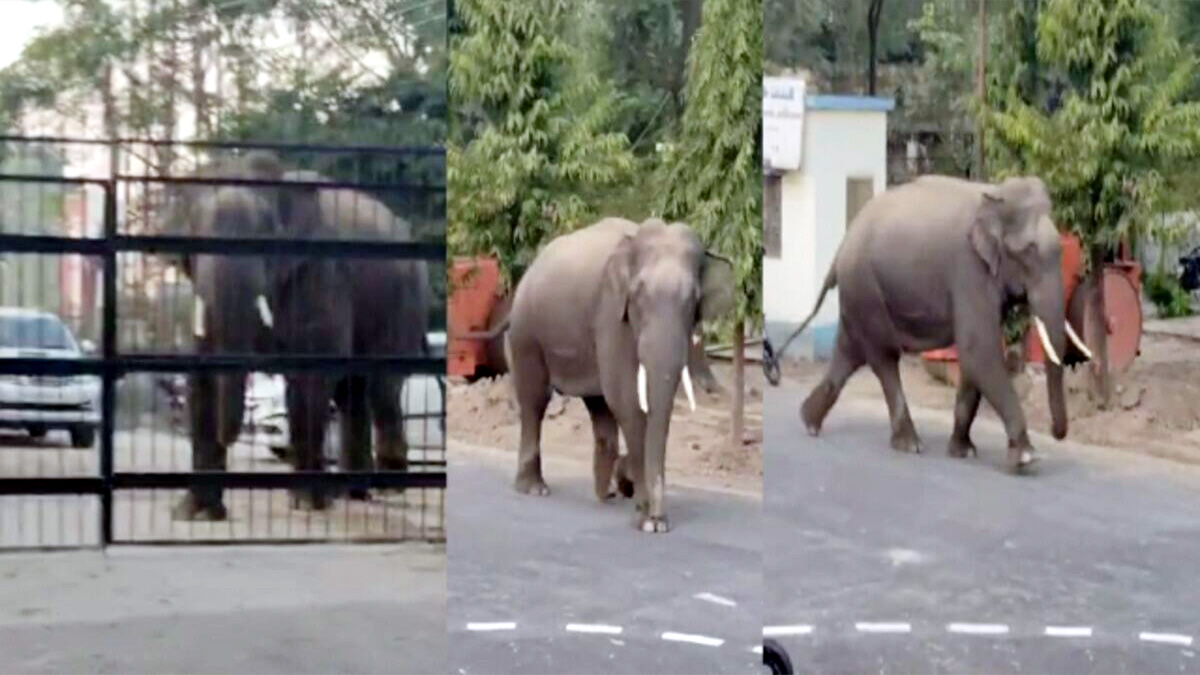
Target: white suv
x=39, y=403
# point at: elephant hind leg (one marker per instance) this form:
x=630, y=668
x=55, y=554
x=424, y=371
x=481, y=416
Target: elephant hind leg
x=846, y=361
x=966, y=406
x=904, y=433
x=392, y=448
x=531, y=380
x=604, y=428
x=308, y=399
x=355, y=426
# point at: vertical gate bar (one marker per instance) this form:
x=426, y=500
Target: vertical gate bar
x=109, y=351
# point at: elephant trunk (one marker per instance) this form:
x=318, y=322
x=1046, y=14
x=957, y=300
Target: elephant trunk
x=662, y=360
x=1048, y=308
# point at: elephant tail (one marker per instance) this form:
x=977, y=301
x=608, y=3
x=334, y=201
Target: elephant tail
x=830, y=284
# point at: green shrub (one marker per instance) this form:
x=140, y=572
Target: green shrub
x=1167, y=295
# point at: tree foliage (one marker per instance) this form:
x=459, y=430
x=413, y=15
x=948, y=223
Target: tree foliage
x=532, y=146
x=1104, y=138
x=713, y=179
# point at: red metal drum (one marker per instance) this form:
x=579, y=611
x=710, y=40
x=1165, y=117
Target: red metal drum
x=1123, y=307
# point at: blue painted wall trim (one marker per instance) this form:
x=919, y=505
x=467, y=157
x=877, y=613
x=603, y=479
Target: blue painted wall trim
x=815, y=343
x=849, y=103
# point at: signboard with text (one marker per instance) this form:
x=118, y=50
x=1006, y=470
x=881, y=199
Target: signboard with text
x=783, y=123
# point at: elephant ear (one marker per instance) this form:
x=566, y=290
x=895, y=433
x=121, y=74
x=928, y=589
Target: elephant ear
x=988, y=230
x=619, y=273
x=716, y=287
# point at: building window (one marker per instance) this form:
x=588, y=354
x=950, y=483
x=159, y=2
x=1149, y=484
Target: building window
x=858, y=192
x=772, y=215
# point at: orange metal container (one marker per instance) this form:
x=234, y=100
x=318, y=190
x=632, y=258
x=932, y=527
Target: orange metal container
x=474, y=291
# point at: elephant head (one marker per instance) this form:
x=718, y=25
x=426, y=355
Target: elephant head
x=664, y=283
x=1018, y=242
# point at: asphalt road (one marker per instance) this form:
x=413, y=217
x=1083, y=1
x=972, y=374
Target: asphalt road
x=877, y=561
x=524, y=567
x=230, y=610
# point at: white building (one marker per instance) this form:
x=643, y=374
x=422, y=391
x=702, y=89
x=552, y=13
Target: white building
x=824, y=157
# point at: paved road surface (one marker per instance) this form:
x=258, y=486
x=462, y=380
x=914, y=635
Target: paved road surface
x=228, y=610
x=856, y=533
x=531, y=565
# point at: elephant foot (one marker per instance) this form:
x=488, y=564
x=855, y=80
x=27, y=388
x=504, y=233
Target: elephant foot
x=189, y=508
x=393, y=463
x=358, y=494
x=654, y=524
x=816, y=406
x=961, y=448
x=309, y=500
x=906, y=441
x=1021, y=458
x=532, y=485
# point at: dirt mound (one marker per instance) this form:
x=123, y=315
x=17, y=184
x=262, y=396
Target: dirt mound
x=485, y=413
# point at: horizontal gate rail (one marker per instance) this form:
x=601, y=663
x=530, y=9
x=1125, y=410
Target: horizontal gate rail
x=266, y=363
x=416, y=150
x=421, y=474
x=124, y=243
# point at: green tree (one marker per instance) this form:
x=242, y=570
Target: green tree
x=714, y=179
x=1117, y=127
x=531, y=148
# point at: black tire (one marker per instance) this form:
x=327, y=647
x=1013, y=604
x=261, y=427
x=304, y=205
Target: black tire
x=37, y=432
x=776, y=658
x=83, y=437
x=770, y=364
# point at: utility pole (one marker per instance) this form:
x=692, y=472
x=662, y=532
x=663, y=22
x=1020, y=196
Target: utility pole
x=981, y=91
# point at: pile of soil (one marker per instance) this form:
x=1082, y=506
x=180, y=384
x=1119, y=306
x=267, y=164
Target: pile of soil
x=698, y=447
x=1155, y=408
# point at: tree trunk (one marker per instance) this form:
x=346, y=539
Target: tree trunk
x=1101, y=377
x=690, y=14
x=981, y=92
x=737, y=429
x=698, y=365
x=200, y=40
x=873, y=14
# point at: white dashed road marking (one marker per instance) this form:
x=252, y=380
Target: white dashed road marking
x=1167, y=638
x=481, y=626
x=715, y=599
x=757, y=649
x=693, y=639
x=884, y=627
x=1069, y=631
x=601, y=628
x=777, y=631
x=978, y=628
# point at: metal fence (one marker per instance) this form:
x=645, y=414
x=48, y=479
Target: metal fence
x=102, y=256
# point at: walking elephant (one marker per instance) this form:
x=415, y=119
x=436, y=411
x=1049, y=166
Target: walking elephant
x=297, y=305
x=606, y=313
x=936, y=262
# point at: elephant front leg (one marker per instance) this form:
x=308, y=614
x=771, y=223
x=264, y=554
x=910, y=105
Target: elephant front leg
x=605, y=454
x=208, y=454
x=966, y=406
x=308, y=399
x=989, y=374
x=904, y=432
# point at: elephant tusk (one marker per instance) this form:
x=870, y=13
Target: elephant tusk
x=641, y=385
x=1087, y=353
x=1045, y=338
x=198, y=318
x=687, y=388
x=264, y=311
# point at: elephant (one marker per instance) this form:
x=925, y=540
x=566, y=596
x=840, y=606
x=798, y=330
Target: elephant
x=606, y=313
x=933, y=263
x=296, y=305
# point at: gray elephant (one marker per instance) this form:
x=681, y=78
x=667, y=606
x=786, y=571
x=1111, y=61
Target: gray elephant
x=297, y=305
x=935, y=262
x=606, y=313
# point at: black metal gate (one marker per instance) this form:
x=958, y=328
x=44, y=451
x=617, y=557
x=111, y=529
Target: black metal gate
x=122, y=494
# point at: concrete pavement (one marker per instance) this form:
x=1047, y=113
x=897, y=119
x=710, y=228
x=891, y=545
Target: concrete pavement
x=883, y=562
x=525, y=567
x=320, y=609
